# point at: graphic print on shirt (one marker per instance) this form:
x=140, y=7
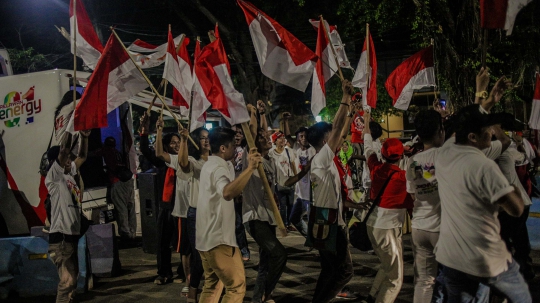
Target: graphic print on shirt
x=424, y=178
x=75, y=194
x=239, y=151
x=358, y=123
x=303, y=159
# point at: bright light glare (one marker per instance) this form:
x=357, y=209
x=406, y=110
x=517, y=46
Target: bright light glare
x=209, y=126
x=318, y=118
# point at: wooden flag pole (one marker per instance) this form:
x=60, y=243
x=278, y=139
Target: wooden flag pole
x=191, y=99
x=267, y=189
x=74, y=54
x=152, y=86
x=433, y=44
x=368, y=66
x=154, y=99
x=484, y=48
x=331, y=47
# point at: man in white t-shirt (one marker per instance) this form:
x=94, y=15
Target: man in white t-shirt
x=215, y=221
x=66, y=212
x=472, y=189
x=336, y=266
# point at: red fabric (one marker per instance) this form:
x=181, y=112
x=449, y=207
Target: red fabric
x=493, y=13
x=212, y=55
x=298, y=51
x=144, y=44
x=91, y=111
x=322, y=44
x=401, y=76
x=85, y=27
x=357, y=128
x=395, y=195
x=168, y=186
x=537, y=87
x=372, y=87
x=341, y=170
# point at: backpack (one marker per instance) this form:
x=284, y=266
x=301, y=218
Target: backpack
x=44, y=163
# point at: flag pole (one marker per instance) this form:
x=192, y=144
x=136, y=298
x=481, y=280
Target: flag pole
x=432, y=43
x=154, y=99
x=74, y=54
x=484, y=48
x=331, y=47
x=152, y=86
x=191, y=99
x=260, y=169
x=368, y=66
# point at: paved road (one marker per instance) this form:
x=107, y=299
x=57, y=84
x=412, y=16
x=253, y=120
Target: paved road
x=296, y=285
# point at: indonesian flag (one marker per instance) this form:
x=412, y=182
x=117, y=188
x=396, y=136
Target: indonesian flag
x=362, y=75
x=414, y=73
x=178, y=72
x=324, y=70
x=112, y=83
x=157, y=56
x=534, y=121
x=89, y=47
x=495, y=14
x=339, y=47
x=215, y=86
x=282, y=57
x=199, y=102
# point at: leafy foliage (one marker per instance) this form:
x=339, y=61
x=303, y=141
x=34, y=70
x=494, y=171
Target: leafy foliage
x=27, y=60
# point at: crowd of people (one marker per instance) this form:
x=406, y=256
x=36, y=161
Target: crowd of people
x=466, y=187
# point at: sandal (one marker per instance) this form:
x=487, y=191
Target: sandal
x=185, y=291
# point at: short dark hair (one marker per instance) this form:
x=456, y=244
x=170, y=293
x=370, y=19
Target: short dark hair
x=426, y=122
x=315, y=133
x=219, y=136
x=300, y=130
x=196, y=136
x=470, y=120
x=376, y=130
x=166, y=140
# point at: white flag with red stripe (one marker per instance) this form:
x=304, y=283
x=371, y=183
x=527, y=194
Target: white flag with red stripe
x=214, y=86
x=282, y=57
x=138, y=48
x=534, y=121
x=178, y=72
x=324, y=70
x=339, y=47
x=365, y=73
x=89, y=47
x=414, y=73
x=500, y=14
x=114, y=80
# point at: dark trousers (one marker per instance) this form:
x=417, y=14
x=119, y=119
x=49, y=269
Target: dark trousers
x=336, y=270
x=195, y=262
x=516, y=236
x=166, y=224
x=272, y=258
x=240, y=231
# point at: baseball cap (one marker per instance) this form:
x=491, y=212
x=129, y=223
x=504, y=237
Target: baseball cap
x=470, y=120
x=392, y=149
x=277, y=135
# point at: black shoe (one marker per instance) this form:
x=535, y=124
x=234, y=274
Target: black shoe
x=163, y=280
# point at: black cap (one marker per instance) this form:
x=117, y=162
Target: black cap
x=471, y=120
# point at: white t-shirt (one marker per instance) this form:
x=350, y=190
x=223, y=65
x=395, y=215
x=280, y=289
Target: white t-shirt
x=181, y=199
x=376, y=146
x=65, y=200
x=325, y=182
x=193, y=178
x=506, y=163
x=422, y=182
x=284, y=164
x=215, y=221
x=255, y=202
x=469, y=186
x=303, y=188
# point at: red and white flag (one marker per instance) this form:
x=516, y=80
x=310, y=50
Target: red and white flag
x=500, y=14
x=114, y=80
x=214, y=86
x=89, y=47
x=534, y=121
x=365, y=73
x=282, y=57
x=138, y=49
x=324, y=70
x=339, y=47
x=414, y=73
x=178, y=72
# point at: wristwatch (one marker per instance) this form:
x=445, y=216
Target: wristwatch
x=482, y=94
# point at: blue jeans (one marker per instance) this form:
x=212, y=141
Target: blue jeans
x=464, y=288
x=286, y=200
x=299, y=209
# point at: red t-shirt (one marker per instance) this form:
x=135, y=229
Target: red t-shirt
x=357, y=127
x=395, y=195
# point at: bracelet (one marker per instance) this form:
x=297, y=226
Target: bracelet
x=482, y=94
x=343, y=103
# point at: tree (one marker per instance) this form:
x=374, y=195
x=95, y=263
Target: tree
x=27, y=60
